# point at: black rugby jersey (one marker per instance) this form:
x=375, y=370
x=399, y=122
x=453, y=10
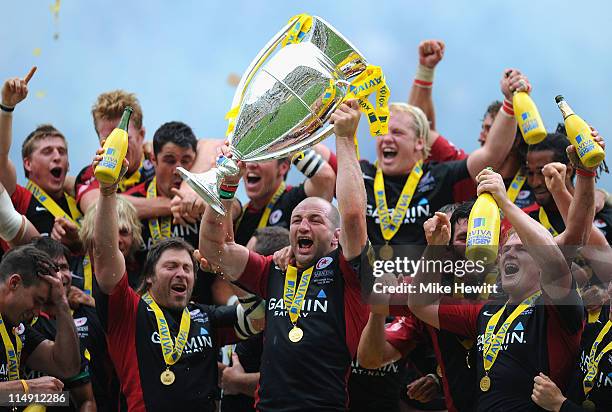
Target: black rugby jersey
x=525, y=197
x=310, y=374
x=133, y=344
x=26, y=204
x=435, y=189
x=543, y=338
x=279, y=216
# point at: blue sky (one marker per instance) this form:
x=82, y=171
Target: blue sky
x=176, y=56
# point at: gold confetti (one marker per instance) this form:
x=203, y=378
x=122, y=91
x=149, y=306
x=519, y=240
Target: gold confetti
x=41, y=94
x=233, y=79
x=36, y=52
x=55, y=8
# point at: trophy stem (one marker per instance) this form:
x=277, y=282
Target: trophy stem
x=206, y=185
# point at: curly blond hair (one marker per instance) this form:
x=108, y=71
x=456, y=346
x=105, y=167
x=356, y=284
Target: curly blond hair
x=110, y=105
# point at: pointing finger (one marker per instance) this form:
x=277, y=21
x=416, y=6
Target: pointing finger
x=28, y=76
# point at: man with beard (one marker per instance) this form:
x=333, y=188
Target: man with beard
x=314, y=311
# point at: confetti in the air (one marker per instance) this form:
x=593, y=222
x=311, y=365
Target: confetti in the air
x=41, y=94
x=37, y=51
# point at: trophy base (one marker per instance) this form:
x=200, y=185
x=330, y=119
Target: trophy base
x=205, y=185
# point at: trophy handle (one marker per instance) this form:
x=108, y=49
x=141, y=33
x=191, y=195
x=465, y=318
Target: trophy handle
x=311, y=141
x=256, y=62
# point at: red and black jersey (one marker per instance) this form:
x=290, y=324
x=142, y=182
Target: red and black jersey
x=279, y=216
x=444, y=151
x=601, y=394
x=456, y=359
x=26, y=204
x=133, y=344
x=311, y=374
x=431, y=194
x=86, y=181
x=543, y=338
x=602, y=220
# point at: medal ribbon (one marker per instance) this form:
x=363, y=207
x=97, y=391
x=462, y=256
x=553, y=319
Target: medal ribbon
x=12, y=355
x=53, y=208
x=87, y=275
x=158, y=231
x=293, y=298
x=515, y=186
x=369, y=81
x=389, y=225
x=171, y=352
x=263, y=221
x=133, y=180
x=593, y=365
x=543, y=218
x=493, y=341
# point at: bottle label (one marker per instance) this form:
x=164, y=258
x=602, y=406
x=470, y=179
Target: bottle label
x=529, y=123
x=565, y=109
x=109, y=161
x=480, y=236
x=585, y=145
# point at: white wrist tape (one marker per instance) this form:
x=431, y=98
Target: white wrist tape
x=308, y=162
x=11, y=221
x=251, y=308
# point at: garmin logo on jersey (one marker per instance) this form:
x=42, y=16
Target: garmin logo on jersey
x=277, y=306
x=601, y=379
x=414, y=213
x=179, y=231
x=195, y=344
x=513, y=337
x=357, y=369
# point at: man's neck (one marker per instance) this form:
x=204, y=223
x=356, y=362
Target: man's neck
x=262, y=202
x=510, y=166
x=55, y=195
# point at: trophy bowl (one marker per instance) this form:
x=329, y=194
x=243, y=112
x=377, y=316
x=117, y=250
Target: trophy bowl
x=284, y=99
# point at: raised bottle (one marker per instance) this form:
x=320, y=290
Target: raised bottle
x=483, y=230
x=528, y=118
x=591, y=154
x=115, y=148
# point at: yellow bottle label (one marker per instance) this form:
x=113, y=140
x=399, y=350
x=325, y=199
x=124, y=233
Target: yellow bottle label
x=115, y=149
x=579, y=133
x=483, y=230
x=528, y=118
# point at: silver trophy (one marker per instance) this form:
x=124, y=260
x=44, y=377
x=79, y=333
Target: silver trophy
x=284, y=100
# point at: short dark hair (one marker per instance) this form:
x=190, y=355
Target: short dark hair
x=556, y=143
x=174, y=132
x=51, y=247
x=28, y=262
x=270, y=239
x=493, y=109
x=462, y=211
x=173, y=243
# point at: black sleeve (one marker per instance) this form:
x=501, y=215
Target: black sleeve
x=32, y=338
x=294, y=196
x=455, y=170
x=570, y=309
x=569, y=406
x=221, y=316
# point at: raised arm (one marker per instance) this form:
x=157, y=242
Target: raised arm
x=217, y=244
x=503, y=131
x=320, y=177
x=15, y=228
x=431, y=53
x=145, y=208
x=422, y=304
x=13, y=92
x=374, y=351
x=350, y=190
x=108, y=260
x=555, y=275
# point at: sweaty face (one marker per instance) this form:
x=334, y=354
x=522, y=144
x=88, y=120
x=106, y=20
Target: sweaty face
x=24, y=303
x=311, y=233
x=399, y=150
x=104, y=127
x=485, y=128
x=48, y=164
x=262, y=179
x=166, y=161
x=535, y=162
x=172, y=284
x=519, y=271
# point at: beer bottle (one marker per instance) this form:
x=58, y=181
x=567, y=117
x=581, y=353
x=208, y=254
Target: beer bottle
x=483, y=230
x=591, y=154
x=115, y=148
x=528, y=118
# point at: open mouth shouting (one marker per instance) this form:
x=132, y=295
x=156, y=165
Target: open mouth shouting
x=305, y=245
x=179, y=289
x=511, y=268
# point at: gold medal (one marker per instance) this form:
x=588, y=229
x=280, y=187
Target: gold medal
x=167, y=377
x=296, y=334
x=589, y=405
x=386, y=252
x=485, y=383
x=439, y=371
